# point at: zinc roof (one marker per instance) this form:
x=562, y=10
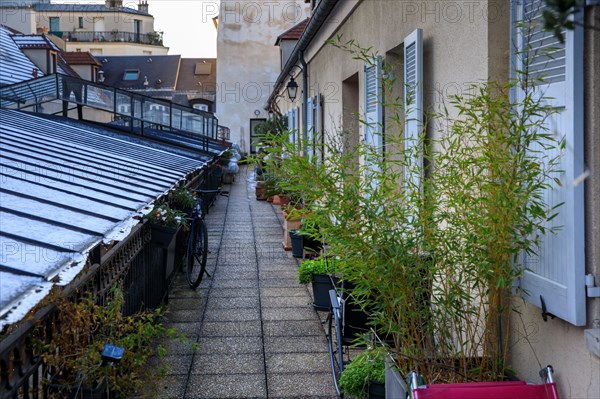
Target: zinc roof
x=67, y=186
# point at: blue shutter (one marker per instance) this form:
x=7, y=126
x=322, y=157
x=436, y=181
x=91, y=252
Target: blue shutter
x=557, y=273
x=309, y=147
x=319, y=137
x=373, y=110
x=290, y=125
x=296, y=119
x=413, y=100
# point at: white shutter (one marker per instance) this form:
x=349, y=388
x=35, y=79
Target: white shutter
x=413, y=100
x=373, y=108
x=309, y=146
x=557, y=273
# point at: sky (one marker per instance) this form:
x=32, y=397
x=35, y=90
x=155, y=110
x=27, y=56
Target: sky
x=187, y=24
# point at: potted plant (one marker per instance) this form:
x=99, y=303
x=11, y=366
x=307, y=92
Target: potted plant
x=320, y=272
x=182, y=199
x=364, y=376
x=74, y=355
x=165, y=223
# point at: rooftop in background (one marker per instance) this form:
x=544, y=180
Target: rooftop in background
x=42, y=42
x=14, y=65
x=79, y=8
x=293, y=33
x=80, y=58
x=197, y=74
x=67, y=186
x=159, y=71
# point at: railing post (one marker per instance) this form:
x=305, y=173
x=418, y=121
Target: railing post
x=142, y=117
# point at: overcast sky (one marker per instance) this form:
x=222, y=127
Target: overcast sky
x=187, y=24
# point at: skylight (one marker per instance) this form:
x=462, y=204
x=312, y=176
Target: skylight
x=131, y=74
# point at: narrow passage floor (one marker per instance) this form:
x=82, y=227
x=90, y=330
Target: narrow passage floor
x=257, y=334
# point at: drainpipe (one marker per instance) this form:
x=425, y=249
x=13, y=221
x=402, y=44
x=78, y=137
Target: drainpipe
x=304, y=97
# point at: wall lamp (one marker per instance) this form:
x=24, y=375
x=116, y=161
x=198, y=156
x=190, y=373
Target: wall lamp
x=292, y=86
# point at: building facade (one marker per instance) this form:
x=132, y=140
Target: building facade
x=446, y=48
x=109, y=29
x=249, y=63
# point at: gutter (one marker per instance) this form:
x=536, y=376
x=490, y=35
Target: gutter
x=320, y=15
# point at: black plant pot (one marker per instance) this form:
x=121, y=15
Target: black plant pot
x=300, y=242
x=297, y=244
x=321, y=284
x=163, y=236
x=376, y=390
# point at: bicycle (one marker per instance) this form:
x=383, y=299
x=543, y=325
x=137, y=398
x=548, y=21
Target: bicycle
x=197, y=249
x=346, y=321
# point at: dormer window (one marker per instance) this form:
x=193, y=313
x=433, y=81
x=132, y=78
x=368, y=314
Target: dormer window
x=131, y=74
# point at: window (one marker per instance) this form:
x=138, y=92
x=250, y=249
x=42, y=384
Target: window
x=54, y=24
x=80, y=25
x=557, y=272
x=254, y=139
x=201, y=107
x=131, y=74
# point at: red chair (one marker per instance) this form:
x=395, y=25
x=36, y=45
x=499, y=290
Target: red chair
x=487, y=390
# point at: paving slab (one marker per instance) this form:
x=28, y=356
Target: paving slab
x=300, y=385
x=251, y=330
x=228, y=364
x=222, y=386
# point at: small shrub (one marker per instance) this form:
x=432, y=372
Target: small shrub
x=368, y=366
x=314, y=267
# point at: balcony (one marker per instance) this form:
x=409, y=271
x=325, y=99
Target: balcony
x=152, y=38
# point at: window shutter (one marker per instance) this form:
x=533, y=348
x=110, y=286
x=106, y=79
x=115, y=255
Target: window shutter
x=296, y=127
x=319, y=137
x=557, y=273
x=290, y=124
x=310, y=128
x=413, y=102
x=373, y=108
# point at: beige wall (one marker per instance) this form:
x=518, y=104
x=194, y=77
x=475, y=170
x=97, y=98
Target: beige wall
x=458, y=52
x=116, y=48
x=19, y=18
x=27, y=20
x=249, y=61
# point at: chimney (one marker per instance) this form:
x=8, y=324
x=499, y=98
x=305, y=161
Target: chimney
x=143, y=6
x=114, y=3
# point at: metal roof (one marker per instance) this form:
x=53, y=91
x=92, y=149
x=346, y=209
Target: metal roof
x=33, y=41
x=86, y=8
x=14, y=65
x=67, y=186
x=41, y=42
x=160, y=71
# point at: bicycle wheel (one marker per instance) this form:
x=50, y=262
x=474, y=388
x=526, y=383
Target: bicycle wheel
x=336, y=345
x=196, y=254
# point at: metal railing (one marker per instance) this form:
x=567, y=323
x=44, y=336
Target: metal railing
x=152, y=38
x=131, y=111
